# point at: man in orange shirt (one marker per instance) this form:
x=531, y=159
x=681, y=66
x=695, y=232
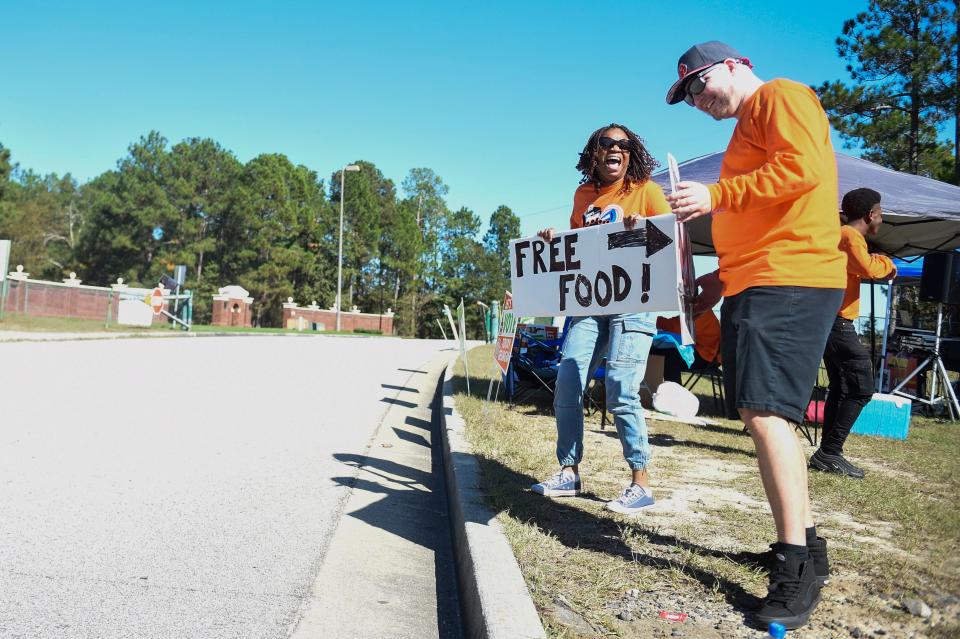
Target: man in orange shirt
x=848, y=364
x=776, y=234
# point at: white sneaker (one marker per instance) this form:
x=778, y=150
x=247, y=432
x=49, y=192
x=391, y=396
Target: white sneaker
x=634, y=499
x=560, y=485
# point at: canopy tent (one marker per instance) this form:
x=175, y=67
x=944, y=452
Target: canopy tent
x=920, y=215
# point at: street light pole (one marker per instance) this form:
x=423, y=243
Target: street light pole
x=349, y=167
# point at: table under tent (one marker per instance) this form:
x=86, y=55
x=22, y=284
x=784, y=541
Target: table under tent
x=921, y=216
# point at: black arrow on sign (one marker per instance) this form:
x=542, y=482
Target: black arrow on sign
x=650, y=236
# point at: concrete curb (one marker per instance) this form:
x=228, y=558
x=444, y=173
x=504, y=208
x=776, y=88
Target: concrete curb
x=494, y=599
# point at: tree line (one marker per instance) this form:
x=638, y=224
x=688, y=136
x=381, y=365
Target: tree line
x=271, y=226
x=268, y=225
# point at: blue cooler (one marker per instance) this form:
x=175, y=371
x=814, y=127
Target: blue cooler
x=884, y=415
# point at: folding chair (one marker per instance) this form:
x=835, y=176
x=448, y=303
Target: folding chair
x=533, y=367
x=714, y=373
x=813, y=418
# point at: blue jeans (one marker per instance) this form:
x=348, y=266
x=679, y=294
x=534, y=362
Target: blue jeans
x=624, y=340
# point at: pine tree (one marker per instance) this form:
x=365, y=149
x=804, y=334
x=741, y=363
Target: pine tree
x=900, y=96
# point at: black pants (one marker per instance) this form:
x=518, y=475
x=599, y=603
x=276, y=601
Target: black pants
x=673, y=364
x=851, y=384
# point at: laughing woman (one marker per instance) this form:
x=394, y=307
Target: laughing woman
x=616, y=187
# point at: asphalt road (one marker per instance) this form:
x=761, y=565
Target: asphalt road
x=180, y=487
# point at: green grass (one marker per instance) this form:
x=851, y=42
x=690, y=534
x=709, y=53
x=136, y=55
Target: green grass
x=27, y=323
x=30, y=323
x=893, y=535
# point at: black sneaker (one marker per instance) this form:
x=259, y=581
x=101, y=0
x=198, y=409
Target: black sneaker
x=837, y=464
x=793, y=593
x=821, y=565
x=818, y=552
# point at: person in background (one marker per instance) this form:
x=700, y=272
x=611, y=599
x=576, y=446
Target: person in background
x=706, y=345
x=776, y=235
x=616, y=187
x=849, y=368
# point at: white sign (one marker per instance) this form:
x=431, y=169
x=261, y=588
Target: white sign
x=133, y=312
x=600, y=270
x=688, y=276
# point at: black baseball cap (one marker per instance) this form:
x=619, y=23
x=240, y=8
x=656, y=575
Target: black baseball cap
x=696, y=59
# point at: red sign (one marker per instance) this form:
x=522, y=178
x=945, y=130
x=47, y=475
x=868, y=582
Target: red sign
x=156, y=300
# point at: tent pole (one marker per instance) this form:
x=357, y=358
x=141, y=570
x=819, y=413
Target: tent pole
x=886, y=331
x=873, y=325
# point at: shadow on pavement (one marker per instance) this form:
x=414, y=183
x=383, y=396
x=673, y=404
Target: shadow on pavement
x=414, y=508
x=398, y=402
x=413, y=438
x=405, y=389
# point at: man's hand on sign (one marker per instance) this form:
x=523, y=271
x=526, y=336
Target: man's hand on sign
x=709, y=294
x=691, y=201
x=631, y=221
x=547, y=234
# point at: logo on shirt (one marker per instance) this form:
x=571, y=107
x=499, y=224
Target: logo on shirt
x=595, y=215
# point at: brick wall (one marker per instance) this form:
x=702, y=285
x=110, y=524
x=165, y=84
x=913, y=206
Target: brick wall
x=38, y=298
x=348, y=321
x=41, y=299
x=231, y=313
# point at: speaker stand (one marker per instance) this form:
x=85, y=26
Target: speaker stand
x=935, y=363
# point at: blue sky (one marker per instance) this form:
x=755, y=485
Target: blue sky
x=497, y=98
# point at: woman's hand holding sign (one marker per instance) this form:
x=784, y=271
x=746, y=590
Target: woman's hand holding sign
x=690, y=201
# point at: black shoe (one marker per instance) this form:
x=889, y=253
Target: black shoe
x=821, y=565
x=818, y=552
x=793, y=593
x=837, y=464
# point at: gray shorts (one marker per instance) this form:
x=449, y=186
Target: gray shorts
x=771, y=341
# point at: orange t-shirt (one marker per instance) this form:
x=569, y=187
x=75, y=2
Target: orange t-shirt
x=860, y=264
x=776, y=201
x=592, y=206
x=707, y=330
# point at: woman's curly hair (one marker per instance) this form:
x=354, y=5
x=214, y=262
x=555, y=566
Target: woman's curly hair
x=639, y=170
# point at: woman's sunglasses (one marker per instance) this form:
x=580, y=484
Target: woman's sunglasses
x=696, y=86
x=608, y=143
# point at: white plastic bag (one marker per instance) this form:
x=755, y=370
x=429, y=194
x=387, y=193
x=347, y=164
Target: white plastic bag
x=673, y=399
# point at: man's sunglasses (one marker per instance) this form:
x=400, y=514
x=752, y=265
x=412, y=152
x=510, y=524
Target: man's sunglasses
x=696, y=86
x=608, y=143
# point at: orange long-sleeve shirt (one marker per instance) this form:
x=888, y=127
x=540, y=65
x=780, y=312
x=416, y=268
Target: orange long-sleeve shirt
x=860, y=264
x=592, y=207
x=776, y=201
